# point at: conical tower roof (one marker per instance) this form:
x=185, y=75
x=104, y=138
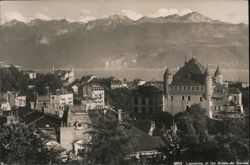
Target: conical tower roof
x=217, y=72
x=167, y=72
x=207, y=72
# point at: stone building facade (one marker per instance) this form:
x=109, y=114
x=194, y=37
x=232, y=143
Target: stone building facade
x=146, y=100
x=194, y=84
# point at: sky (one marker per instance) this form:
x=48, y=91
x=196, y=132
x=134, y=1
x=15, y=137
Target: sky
x=232, y=11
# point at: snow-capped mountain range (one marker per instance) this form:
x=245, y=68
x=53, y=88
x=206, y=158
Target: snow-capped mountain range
x=117, y=41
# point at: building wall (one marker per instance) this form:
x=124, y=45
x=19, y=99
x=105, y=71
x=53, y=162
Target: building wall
x=69, y=135
x=181, y=97
x=74, y=131
x=98, y=95
x=32, y=76
x=61, y=100
x=236, y=98
x=20, y=101
x=146, y=104
x=5, y=106
x=176, y=104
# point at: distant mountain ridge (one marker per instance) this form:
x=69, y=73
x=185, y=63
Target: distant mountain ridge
x=117, y=42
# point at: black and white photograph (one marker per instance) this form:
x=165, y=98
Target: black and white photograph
x=124, y=82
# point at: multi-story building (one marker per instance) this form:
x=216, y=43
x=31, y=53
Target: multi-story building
x=20, y=101
x=146, y=99
x=115, y=83
x=66, y=75
x=12, y=99
x=93, y=95
x=194, y=84
x=58, y=102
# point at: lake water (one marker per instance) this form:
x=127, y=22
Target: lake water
x=152, y=74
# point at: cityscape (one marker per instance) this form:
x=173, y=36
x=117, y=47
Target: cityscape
x=195, y=111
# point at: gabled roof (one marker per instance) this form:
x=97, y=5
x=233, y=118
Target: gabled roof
x=192, y=73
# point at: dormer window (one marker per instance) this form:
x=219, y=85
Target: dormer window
x=188, y=76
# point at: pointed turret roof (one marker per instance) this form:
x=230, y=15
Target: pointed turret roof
x=217, y=72
x=207, y=72
x=167, y=72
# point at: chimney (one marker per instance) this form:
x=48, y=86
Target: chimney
x=152, y=128
x=32, y=105
x=119, y=115
x=47, y=90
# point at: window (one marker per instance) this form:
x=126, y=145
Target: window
x=235, y=98
x=151, y=110
x=180, y=87
x=143, y=102
x=197, y=88
x=151, y=101
x=189, y=98
x=187, y=77
x=188, y=88
x=172, y=98
x=135, y=100
x=143, y=110
x=184, y=88
x=175, y=88
x=183, y=98
x=192, y=88
x=135, y=110
x=200, y=98
x=201, y=88
x=215, y=107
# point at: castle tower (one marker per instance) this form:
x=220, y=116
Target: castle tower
x=209, y=91
x=167, y=77
x=208, y=83
x=218, y=76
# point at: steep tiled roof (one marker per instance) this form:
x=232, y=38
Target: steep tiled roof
x=192, y=73
x=40, y=120
x=147, y=90
x=144, y=141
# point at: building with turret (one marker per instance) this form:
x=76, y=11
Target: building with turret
x=194, y=84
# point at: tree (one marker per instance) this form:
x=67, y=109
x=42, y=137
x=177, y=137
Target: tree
x=47, y=80
x=119, y=98
x=173, y=148
x=110, y=142
x=20, y=144
x=12, y=79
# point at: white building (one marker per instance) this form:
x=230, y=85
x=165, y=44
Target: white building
x=95, y=96
x=75, y=89
x=66, y=75
x=20, y=101
x=11, y=99
x=31, y=74
x=58, y=101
